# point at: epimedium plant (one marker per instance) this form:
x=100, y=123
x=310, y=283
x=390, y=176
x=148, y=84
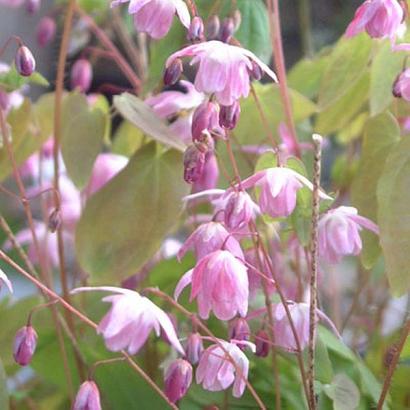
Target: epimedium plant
x=207, y=172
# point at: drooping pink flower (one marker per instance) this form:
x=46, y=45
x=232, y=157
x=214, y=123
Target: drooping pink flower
x=239, y=209
x=206, y=120
x=210, y=237
x=88, y=397
x=194, y=348
x=46, y=30
x=24, y=346
x=178, y=379
x=223, y=69
x=210, y=174
x=339, y=233
x=155, y=16
x=239, y=329
x=180, y=104
x=379, y=18
x=279, y=187
x=287, y=146
x=81, y=75
x=219, y=367
x=219, y=283
x=130, y=320
x=401, y=87
x=4, y=280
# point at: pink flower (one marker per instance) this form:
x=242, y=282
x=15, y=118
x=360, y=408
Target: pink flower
x=81, y=75
x=194, y=348
x=223, y=69
x=239, y=209
x=210, y=174
x=339, y=233
x=279, y=187
x=25, y=343
x=401, y=88
x=178, y=379
x=11, y=3
x=4, y=280
x=287, y=146
x=177, y=103
x=88, y=397
x=130, y=320
x=210, y=237
x=220, y=366
x=254, y=276
x=379, y=18
x=220, y=283
x=206, y=120
x=155, y=16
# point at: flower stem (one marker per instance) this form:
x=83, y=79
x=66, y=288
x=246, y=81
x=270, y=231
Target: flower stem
x=317, y=140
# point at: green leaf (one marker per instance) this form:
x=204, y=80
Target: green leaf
x=348, y=62
x=253, y=33
x=338, y=115
x=82, y=137
x=323, y=365
x=141, y=115
x=344, y=393
x=385, y=68
x=393, y=197
x=125, y=222
x=11, y=80
x=127, y=139
x=4, y=395
x=380, y=135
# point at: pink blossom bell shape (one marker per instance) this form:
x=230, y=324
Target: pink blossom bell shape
x=155, y=16
x=379, y=18
x=210, y=237
x=194, y=348
x=222, y=365
x=219, y=282
x=130, y=320
x=239, y=209
x=223, y=69
x=178, y=379
x=88, y=397
x=279, y=187
x=401, y=87
x=24, y=346
x=339, y=233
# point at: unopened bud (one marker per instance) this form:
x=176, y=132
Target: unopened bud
x=46, y=30
x=178, y=379
x=194, y=162
x=229, y=115
x=196, y=29
x=227, y=30
x=212, y=27
x=239, y=330
x=206, y=120
x=81, y=75
x=401, y=87
x=24, y=346
x=210, y=174
x=88, y=397
x=239, y=210
x=194, y=348
x=262, y=343
x=54, y=220
x=24, y=60
x=237, y=19
x=173, y=72
x=255, y=72
x=33, y=6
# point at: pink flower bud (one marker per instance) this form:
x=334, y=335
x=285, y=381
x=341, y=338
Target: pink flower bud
x=227, y=30
x=210, y=174
x=239, y=329
x=173, y=72
x=178, y=379
x=262, y=343
x=88, y=397
x=196, y=29
x=54, y=220
x=194, y=348
x=33, y=6
x=212, y=27
x=255, y=72
x=24, y=60
x=194, y=162
x=46, y=30
x=206, y=120
x=401, y=87
x=239, y=210
x=81, y=75
x=229, y=115
x=25, y=343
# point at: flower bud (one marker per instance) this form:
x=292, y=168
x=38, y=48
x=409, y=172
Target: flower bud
x=81, y=75
x=227, y=30
x=401, y=87
x=194, y=348
x=24, y=60
x=212, y=27
x=194, y=162
x=33, y=6
x=262, y=343
x=46, y=30
x=239, y=210
x=88, y=397
x=210, y=174
x=25, y=343
x=196, y=29
x=178, y=379
x=54, y=220
x=206, y=120
x=229, y=115
x=239, y=330
x=173, y=72
x=255, y=72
